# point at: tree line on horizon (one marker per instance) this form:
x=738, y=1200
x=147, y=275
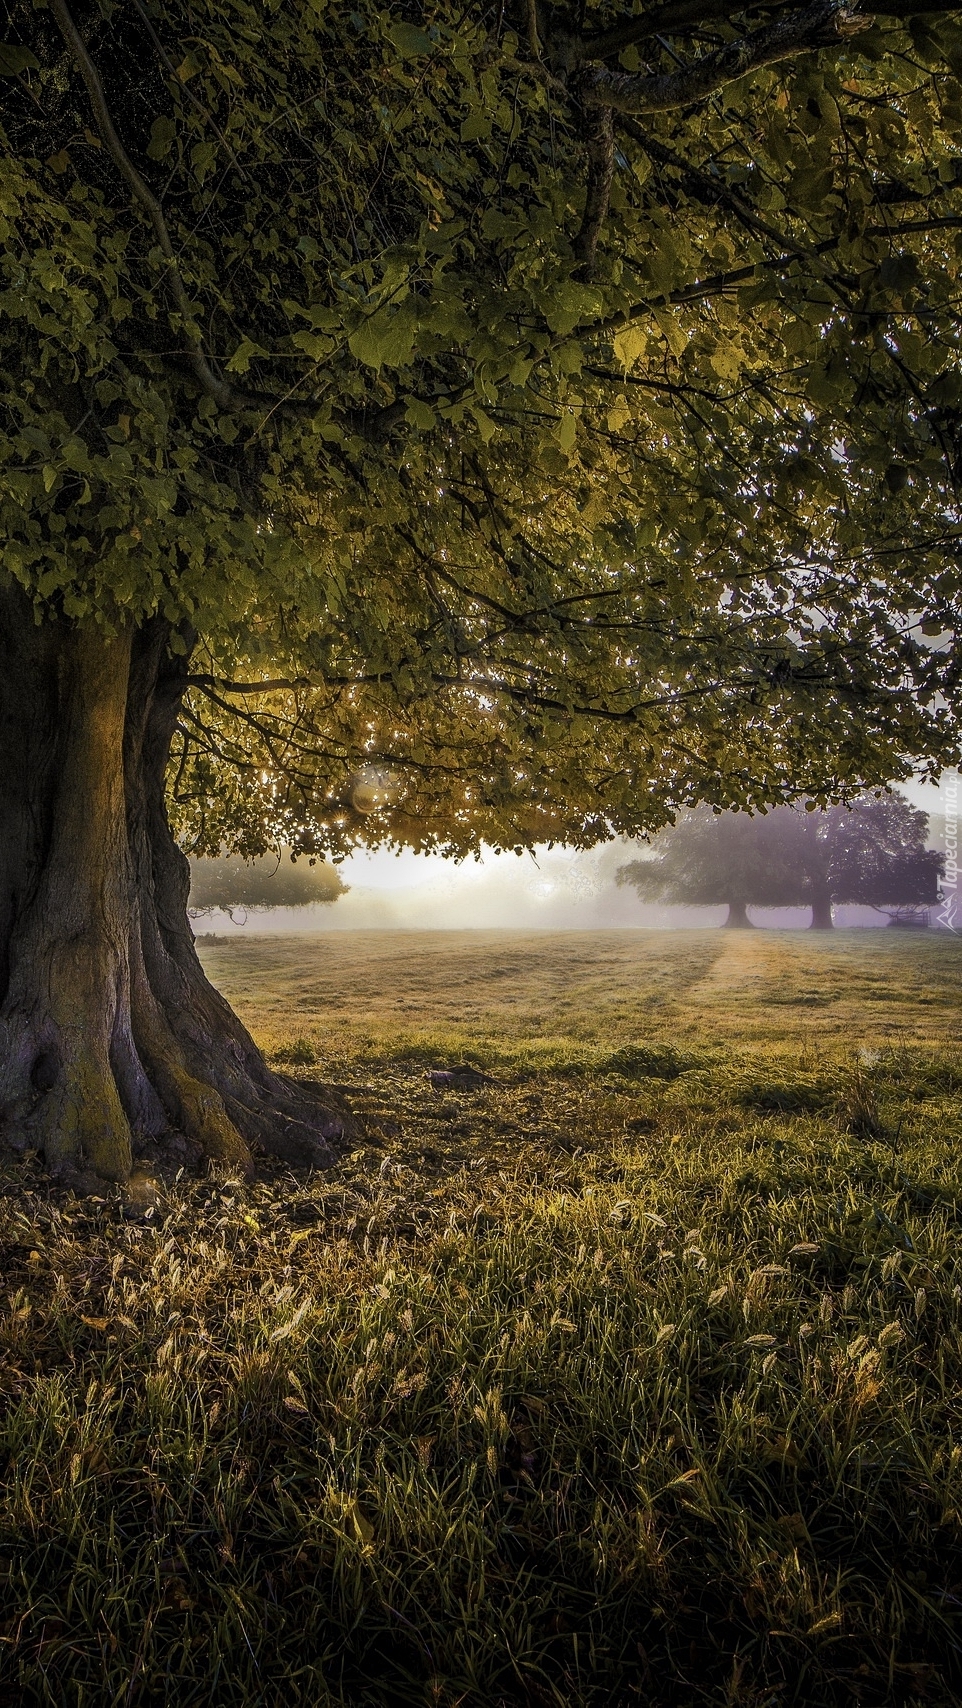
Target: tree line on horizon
x=871, y=852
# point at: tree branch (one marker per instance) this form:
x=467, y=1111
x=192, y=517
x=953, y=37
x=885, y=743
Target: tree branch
x=600, y=149
x=678, y=16
x=707, y=190
x=628, y=93
x=660, y=20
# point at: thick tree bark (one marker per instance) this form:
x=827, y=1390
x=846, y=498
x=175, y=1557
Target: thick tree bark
x=113, y=1043
x=738, y=919
x=822, y=913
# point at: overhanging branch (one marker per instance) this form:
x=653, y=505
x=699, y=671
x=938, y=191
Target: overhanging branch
x=679, y=16
x=626, y=92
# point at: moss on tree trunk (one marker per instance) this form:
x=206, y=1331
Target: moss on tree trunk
x=113, y=1043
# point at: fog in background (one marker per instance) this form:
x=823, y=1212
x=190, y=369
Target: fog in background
x=558, y=890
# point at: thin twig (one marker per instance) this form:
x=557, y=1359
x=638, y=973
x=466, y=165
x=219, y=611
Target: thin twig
x=207, y=117
x=225, y=395
x=629, y=93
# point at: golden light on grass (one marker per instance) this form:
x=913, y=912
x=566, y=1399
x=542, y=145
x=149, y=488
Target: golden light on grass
x=519, y=1370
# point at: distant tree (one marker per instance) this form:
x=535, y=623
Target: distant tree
x=871, y=852
x=232, y=883
x=708, y=858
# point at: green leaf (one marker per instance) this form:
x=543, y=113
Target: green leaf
x=420, y=414
x=726, y=359
x=570, y=305
x=240, y=361
x=162, y=133
x=486, y=427
x=385, y=339
x=14, y=59
x=409, y=40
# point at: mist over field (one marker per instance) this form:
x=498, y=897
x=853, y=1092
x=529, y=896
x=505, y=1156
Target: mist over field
x=556, y=889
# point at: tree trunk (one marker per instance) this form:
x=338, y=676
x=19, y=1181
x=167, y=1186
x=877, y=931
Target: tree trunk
x=112, y=1042
x=822, y=914
x=738, y=919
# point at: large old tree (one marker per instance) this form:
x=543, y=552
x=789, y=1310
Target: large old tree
x=442, y=422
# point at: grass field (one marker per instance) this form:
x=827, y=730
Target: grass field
x=632, y=1376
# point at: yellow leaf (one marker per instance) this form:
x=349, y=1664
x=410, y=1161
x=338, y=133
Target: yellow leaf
x=567, y=431
x=96, y=1322
x=618, y=415
x=630, y=345
x=726, y=361
x=362, y=1527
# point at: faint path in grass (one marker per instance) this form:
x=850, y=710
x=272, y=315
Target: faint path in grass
x=841, y=988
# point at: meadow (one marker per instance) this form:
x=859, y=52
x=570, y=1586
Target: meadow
x=626, y=1371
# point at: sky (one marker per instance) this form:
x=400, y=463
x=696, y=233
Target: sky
x=556, y=890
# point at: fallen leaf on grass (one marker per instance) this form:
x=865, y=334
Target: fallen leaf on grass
x=793, y=1523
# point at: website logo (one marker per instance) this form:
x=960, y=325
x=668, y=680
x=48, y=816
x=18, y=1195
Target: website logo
x=950, y=833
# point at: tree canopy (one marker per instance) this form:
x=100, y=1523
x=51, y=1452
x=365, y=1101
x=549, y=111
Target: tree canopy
x=873, y=852
x=553, y=409
x=250, y=886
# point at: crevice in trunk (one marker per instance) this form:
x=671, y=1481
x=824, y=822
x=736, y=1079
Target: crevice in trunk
x=112, y=1040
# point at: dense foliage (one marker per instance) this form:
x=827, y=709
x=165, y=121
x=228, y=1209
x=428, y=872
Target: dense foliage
x=872, y=852
x=272, y=880
x=560, y=407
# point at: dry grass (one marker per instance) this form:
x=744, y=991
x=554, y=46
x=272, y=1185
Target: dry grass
x=632, y=1378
